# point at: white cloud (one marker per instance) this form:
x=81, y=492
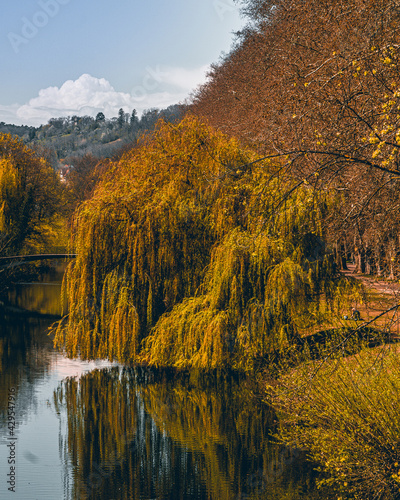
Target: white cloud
x=85, y=96
x=8, y=113
x=88, y=95
x=185, y=78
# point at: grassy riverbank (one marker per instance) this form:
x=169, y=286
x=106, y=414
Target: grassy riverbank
x=343, y=409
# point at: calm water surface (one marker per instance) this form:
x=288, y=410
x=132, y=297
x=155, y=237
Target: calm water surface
x=97, y=430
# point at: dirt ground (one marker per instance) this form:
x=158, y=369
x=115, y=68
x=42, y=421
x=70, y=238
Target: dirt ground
x=379, y=296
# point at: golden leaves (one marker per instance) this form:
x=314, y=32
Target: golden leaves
x=183, y=259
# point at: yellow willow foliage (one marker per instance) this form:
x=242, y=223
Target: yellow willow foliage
x=188, y=256
x=145, y=238
x=347, y=419
x=254, y=297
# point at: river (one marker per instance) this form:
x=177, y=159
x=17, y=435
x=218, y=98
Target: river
x=78, y=430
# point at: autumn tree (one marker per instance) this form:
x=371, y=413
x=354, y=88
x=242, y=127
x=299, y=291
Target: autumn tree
x=29, y=195
x=317, y=83
x=185, y=260
x=85, y=172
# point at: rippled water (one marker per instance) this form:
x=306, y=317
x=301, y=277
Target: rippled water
x=102, y=431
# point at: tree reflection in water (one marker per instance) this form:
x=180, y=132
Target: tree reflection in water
x=141, y=434
x=25, y=356
x=26, y=351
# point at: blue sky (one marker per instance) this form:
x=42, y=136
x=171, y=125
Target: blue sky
x=65, y=57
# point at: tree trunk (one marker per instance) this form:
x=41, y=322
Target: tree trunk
x=369, y=261
x=343, y=256
x=340, y=255
x=359, y=257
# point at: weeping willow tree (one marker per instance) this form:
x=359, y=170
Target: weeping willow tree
x=187, y=258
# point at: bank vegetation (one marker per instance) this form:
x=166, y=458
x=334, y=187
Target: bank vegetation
x=217, y=242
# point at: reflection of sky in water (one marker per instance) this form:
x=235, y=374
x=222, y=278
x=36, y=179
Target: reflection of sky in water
x=40, y=461
x=35, y=370
x=64, y=367
x=39, y=467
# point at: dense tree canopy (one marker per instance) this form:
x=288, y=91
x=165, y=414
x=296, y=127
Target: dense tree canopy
x=183, y=247
x=318, y=82
x=215, y=242
x=29, y=195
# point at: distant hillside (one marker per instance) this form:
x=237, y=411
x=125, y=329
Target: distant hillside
x=74, y=136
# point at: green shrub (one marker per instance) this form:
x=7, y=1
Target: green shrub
x=346, y=413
